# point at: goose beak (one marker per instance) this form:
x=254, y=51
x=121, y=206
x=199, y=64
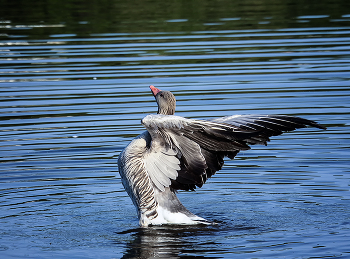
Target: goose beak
x=154, y=90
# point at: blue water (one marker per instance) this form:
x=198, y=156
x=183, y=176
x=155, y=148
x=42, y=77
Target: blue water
x=73, y=94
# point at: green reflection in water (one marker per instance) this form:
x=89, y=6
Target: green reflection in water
x=104, y=16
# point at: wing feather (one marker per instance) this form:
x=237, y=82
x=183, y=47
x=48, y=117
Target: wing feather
x=190, y=151
x=156, y=175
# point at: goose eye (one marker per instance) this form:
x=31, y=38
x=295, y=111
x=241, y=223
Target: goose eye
x=161, y=95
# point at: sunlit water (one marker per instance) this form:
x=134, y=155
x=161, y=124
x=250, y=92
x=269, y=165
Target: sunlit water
x=70, y=104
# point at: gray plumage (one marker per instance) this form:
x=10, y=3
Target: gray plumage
x=178, y=153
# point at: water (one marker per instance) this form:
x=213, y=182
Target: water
x=74, y=83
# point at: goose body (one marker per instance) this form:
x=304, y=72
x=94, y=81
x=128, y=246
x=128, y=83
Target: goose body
x=176, y=153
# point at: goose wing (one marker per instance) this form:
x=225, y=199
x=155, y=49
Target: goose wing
x=183, y=153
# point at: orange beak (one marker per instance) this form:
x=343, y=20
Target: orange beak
x=154, y=90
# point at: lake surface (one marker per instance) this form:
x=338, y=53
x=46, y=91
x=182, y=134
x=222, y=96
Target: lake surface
x=74, y=81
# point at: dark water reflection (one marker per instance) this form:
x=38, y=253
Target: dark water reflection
x=171, y=242
x=181, y=241
x=74, y=83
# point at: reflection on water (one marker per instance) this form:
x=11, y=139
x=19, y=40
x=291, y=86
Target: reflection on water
x=175, y=241
x=74, y=87
x=166, y=242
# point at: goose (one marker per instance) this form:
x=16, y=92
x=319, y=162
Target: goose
x=177, y=153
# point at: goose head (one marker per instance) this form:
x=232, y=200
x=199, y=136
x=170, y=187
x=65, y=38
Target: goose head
x=166, y=101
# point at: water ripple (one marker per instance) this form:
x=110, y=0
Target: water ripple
x=70, y=103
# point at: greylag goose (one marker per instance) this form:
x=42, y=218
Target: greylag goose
x=176, y=153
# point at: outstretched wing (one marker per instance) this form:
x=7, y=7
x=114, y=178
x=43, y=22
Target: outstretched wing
x=183, y=153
